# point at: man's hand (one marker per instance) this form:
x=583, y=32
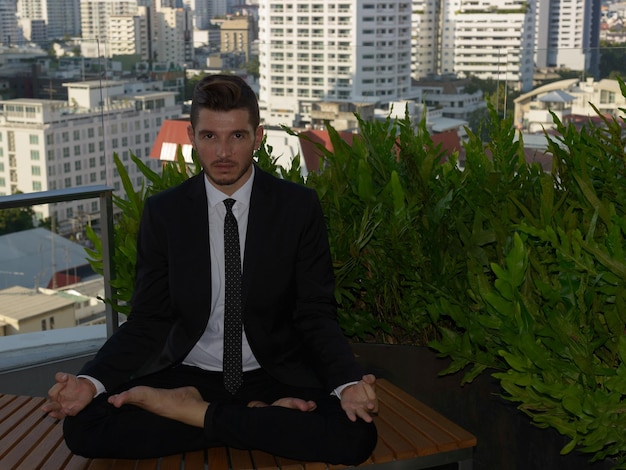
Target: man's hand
x=359, y=400
x=68, y=395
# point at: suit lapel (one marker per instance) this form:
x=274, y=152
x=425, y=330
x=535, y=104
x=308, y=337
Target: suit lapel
x=197, y=239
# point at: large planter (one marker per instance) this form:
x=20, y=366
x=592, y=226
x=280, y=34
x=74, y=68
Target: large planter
x=507, y=440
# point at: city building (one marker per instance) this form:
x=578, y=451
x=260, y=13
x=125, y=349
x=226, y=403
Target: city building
x=130, y=34
x=350, y=51
x=37, y=258
x=488, y=39
x=570, y=101
x=454, y=98
x=60, y=17
x=55, y=144
x=568, y=34
x=25, y=310
x=94, y=19
x=236, y=35
x=8, y=23
x=174, y=38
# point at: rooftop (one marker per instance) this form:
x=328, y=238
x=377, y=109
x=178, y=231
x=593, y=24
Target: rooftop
x=19, y=303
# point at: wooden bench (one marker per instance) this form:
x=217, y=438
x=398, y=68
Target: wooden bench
x=411, y=435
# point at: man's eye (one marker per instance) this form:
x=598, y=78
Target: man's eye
x=238, y=135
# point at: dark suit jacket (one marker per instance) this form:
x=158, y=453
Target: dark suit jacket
x=289, y=312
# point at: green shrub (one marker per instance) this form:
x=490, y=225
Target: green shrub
x=499, y=266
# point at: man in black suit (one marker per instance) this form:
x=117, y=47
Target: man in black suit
x=162, y=383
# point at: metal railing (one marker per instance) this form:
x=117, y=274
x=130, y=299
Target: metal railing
x=105, y=194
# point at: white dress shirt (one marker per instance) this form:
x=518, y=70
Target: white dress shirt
x=208, y=351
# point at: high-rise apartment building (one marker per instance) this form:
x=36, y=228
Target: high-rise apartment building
x=495, y=39
x=174, y=35
x=205, y=10
x=53, y=144
x=8, y=23
x=130, y=34
x=489, y=39
x=322, y=50
x=95, y=18
x=568, y=34
x=61, y=17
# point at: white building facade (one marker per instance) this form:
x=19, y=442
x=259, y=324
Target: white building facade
x=568, y=34
x=47, y=144
x=174, y=35
x=61, y=17
x=321, y=50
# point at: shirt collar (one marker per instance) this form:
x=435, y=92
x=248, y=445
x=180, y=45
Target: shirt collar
x=242, y=195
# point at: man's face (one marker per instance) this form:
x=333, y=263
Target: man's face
x=225, y=142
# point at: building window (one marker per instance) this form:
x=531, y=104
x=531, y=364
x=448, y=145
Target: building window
x=76, y=135
x=77, y=165
x=34, y=139
x=44, y=327
x=76, y=149
x=34, y=154
x=35, y=170
x=36, y=186
x=52, y=323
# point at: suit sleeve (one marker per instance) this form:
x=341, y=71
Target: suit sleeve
x=146, y=330
x=315, y=315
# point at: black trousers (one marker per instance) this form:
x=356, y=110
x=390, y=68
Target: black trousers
x=325, y=434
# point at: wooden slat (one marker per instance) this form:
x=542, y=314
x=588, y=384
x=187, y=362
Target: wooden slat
x=217, y=458
x=153, y=464
x=195, y=459
x=171, y=462
x=264, y=461
x=240, y=459
x=396, y=395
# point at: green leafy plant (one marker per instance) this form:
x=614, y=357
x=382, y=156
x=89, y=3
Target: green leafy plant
x=546, y=297
x=500, y=266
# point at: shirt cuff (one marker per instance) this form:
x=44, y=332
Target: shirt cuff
x=341, y=388
x=96, y=383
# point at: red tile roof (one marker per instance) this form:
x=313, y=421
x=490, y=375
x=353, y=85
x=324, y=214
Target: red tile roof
x=172, y=133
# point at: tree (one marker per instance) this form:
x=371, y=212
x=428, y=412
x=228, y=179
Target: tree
x=252, y=67
x=16, y=220
x=612, y=60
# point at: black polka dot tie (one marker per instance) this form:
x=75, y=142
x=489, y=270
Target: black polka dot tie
x=233, y=375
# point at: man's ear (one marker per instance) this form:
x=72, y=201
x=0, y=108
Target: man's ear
x=191, y=135
x=258, y=137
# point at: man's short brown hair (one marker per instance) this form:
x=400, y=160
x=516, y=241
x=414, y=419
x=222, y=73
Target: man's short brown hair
x=224, y=93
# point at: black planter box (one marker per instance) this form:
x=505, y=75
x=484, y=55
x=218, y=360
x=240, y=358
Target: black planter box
x=507, y=439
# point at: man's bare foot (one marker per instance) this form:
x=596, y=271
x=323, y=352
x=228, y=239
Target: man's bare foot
x=287, y=402
x=183, y=404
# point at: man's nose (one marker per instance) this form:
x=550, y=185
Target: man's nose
x=223, y=149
